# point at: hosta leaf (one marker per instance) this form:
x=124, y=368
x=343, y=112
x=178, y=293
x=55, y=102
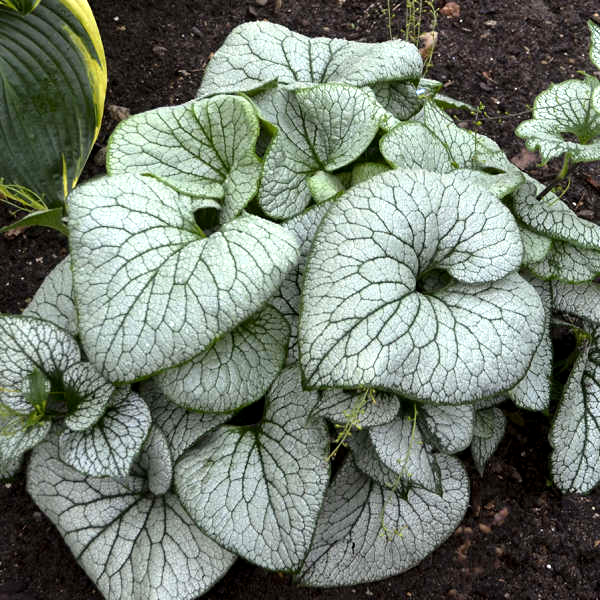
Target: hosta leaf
x=582, y=300
x=109, y=448
x=287, y=299
x=131, y=543
x=237, y=370
x=447, y=428
x=594, y=43
x=490, y=424
x=151, y=291
x=322, y=128
x=533, y=391
x=567, y=263
x=85, y=388
x=535, y=246
x=53, y=300
x=365, y=319
x=28, y=344
x=258, y=490
x=564, y=108
x=575, y=433
x=350, y=545
x=201, y=148
x=553, y=218
x=357, y=407
x=52, y=85
x=259, y=53
x=181, y=428
x=400, y=447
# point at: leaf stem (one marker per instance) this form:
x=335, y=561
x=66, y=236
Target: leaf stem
x=561, y=175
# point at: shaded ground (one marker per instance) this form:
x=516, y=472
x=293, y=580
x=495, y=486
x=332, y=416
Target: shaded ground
x=520, y=539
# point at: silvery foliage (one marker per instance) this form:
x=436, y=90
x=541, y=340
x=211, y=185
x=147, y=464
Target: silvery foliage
x=314, y=241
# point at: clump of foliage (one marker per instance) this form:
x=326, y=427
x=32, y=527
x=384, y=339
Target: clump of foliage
x=308, y=268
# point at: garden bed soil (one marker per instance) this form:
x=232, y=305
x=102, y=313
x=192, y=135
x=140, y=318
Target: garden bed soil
x=520, y=538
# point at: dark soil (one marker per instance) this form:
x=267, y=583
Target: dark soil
x=520, y=538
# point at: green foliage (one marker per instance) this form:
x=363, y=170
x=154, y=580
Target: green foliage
x=373, y=271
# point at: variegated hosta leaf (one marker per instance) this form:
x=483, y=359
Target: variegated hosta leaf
x=53, y=300
x=447, y=428
x=401, y=447
x=258, y=54
x=533, y=391
x=535, y=246
x=109, y=448
x=594, y=42
x=582, y=300
x=287, y=299
x=181, y=428
x=201, y=148
x=366, y=320
x=258, y=490
x=575, y=433
x=131, y=543
x=151, y=290
x=234, y=372
x=87, y=393
x=28, y=344
x=355, y=540
x=358, y=407
x=52, y=85
x=564, y=108
x=488, y=431
x=553, y=218
x=567, y=263
x=322, y=128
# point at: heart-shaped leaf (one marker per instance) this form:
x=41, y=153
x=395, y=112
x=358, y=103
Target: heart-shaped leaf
x=564, y=108
x=152, y=291
x=53, y=300
x=26, y=345
x=236, y=371
x=201, y=148
x=369, y=317
x=131, y=543
x=488, y=431
x=52, y=84
x=533, y=391
x=258, y=490
x=400, y=447
x=368, y=532
x=357, y=408
x=109, y=448
x=321, y=128
x=567, y=263
x=447, y=428
x=582, y=300
x=258, y=54
x=594, y=42
x=535, y=246
x=553, y=218
x=575, y=433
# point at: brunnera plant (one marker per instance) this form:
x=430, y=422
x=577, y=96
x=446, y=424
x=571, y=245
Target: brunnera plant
x=287, y=307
